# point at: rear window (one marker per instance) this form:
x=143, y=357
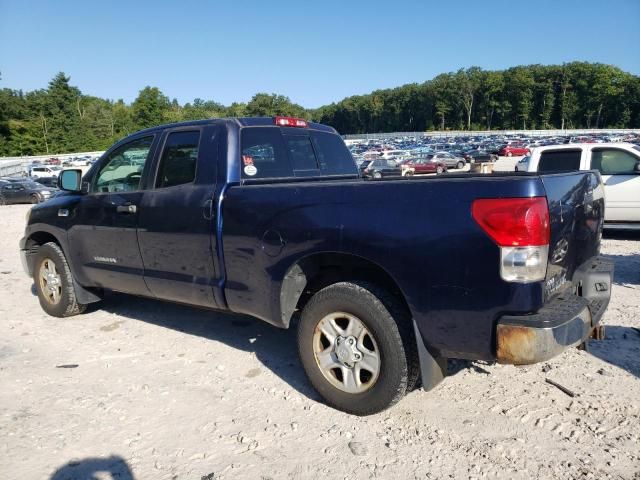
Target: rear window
x=267, y=153
x=333, y=156
x=264, y=154
x=559, y=161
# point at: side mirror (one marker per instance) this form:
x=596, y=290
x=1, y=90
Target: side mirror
x=70, y=180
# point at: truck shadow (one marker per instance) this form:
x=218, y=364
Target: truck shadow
x=621, y=348
x=114, y=467
x=274, y=347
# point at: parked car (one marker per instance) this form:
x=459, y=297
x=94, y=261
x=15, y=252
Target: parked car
x=480, y=156
x=25, y=191
x=44, y=171
x=53, y=161
x=513, y=150
x=382, y=168
x=523, y=164
x=295, y=232
x=619, y=165
x=51, y=182
x=422, y=164
x=450, y=160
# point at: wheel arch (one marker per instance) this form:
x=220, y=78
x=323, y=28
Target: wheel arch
x=312, y=273
x=30, y=245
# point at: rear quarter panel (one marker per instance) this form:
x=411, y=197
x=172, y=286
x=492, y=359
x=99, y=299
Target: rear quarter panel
x=420, y=232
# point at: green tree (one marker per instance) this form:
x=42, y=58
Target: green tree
x=150, y=108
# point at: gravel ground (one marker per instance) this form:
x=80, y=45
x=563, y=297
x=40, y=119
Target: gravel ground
x=142, y=389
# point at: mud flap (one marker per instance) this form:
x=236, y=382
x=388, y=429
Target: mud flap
x=432, y=369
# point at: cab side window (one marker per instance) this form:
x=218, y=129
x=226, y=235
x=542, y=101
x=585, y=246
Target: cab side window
x=179, y=159
x=122, y=170
x=612, y=161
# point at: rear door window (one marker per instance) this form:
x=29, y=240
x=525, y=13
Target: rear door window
x=179, y=158
x=613, y=161
x=559, y=161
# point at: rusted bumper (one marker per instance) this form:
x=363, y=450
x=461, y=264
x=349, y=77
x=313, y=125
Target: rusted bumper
x=535, y=338
x=565, y=321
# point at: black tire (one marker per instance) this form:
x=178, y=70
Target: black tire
x=510, y=154
x=439, y=170
x=377, y=175
x=460, y=164
x=389, y=323
x=67, y=305
x=35, y=199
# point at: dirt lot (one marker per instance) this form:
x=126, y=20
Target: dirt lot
x=147, y=390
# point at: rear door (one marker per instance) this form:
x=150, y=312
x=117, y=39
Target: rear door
x=177, y=217
x=621, y=182
x=103, y=239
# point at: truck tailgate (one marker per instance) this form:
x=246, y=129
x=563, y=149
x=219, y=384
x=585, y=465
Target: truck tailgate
x=576, y=210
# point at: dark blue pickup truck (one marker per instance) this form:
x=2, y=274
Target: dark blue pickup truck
x=385, y=280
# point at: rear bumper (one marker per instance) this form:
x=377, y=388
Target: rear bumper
x=566, y=321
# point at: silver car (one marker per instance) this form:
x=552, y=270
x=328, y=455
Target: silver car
x=449, y=159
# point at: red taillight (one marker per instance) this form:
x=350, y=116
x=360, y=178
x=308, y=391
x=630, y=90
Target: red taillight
x=291, y=122
x=513, y=221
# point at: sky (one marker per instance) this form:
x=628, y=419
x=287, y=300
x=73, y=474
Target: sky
x=313, y=52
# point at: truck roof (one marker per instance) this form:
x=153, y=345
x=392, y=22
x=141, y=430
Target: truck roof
x=239, y=121
x=568, y=146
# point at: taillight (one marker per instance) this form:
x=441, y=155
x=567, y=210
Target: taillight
x=520, y=227
x=291, y=122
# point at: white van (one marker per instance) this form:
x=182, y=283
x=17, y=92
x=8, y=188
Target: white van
x=619, y=165
x=45, y=171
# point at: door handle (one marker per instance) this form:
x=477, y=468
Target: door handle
x=126, y=208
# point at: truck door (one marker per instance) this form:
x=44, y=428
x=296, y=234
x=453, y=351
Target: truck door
x=621, y=183
x=103, y=240
x=177, y=229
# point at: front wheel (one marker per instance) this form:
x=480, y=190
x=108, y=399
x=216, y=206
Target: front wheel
x=357, y=347
x=54, y=282
x=460, y=164
x=34, y=199
x=439, y=170
x=2, y=200
x=510, y=154
x=377, y=175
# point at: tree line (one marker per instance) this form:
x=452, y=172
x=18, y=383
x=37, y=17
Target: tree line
x=575, y=95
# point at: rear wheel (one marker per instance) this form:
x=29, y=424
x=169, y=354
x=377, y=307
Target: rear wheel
x=357, y=347
x=439, y=169
x=2, y=200
x=509, y=154
x=377, y=175
x=54, y=282
x=34, y=199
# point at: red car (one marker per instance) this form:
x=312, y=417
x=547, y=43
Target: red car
x=420, y=165
x=511, y=150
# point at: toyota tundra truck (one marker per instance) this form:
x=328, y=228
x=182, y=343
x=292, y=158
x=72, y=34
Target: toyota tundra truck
x=384, y=280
